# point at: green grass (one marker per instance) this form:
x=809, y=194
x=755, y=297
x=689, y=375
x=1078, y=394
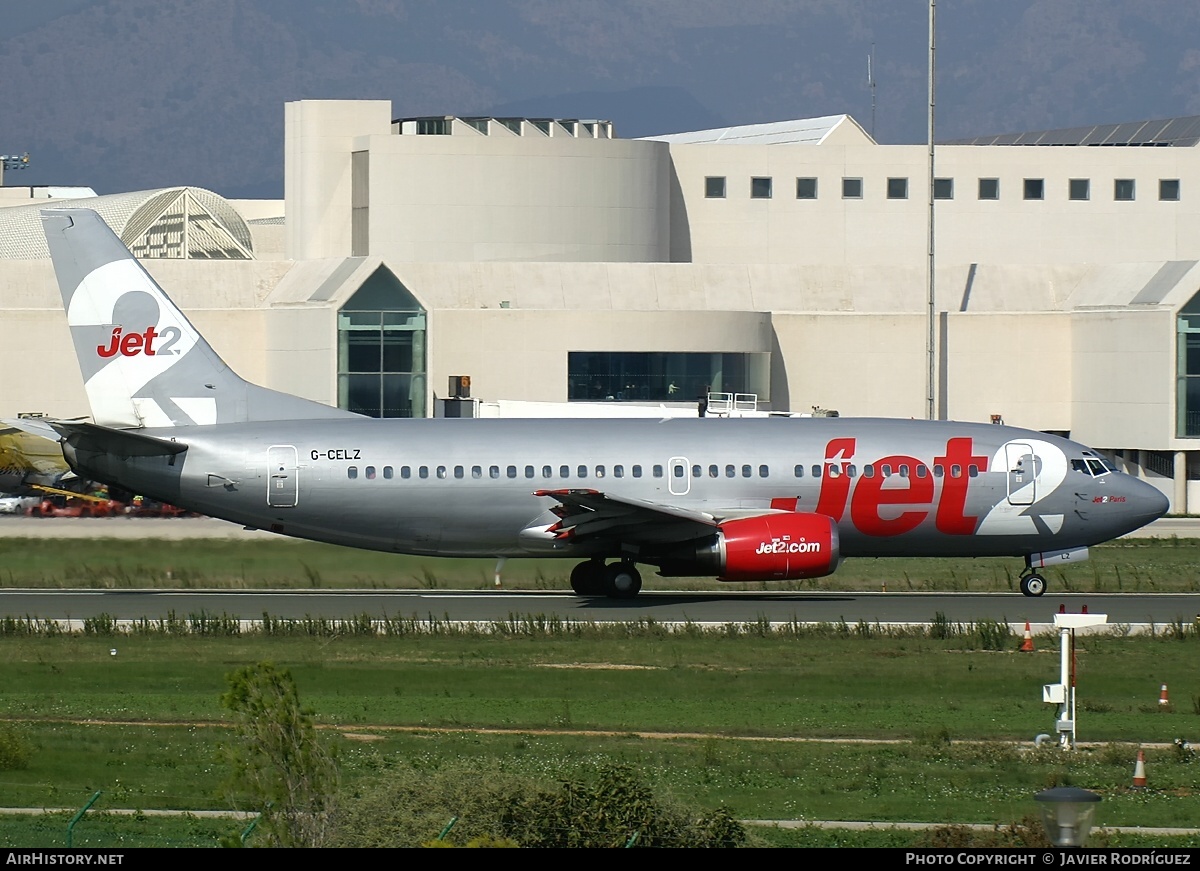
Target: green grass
x=962, y=718
x=1130, y=565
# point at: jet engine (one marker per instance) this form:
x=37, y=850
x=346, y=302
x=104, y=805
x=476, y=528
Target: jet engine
x=770, y=547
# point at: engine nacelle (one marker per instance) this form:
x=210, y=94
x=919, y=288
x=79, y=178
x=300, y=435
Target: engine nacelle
x=779, y=547
x=770, y=547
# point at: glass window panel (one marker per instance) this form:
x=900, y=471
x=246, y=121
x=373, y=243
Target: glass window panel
x=714, y=187
x=989, y=189
x=852, y=188
x=806, y=188
x=1123, y=189
x=1079, y=188
x=943, y=188
x=1168, y=189
x=1035, y=188
x=897, y=188
x=760, y=188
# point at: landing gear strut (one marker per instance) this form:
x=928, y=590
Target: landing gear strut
x=619, y=580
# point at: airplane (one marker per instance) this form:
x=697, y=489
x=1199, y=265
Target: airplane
x=737, y=499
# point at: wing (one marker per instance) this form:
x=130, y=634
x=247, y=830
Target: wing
x=590, y=516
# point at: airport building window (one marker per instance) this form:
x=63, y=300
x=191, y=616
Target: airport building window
x=1168, y=189
x=806, y=188
x=1079, y=189
x=1187, y=355
x=852, y=188
x=714, y=187
x=760, y=188
x=943, y=188
x=1035, y=188
x=381, y=350
x=897, y=189
x=1123, y=189
x=989, y=189
x=636, y=376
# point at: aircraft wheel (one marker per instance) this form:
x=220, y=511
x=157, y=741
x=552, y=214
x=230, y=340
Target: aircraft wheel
x=622, y=581
x=1033, y=585
x=587, y=578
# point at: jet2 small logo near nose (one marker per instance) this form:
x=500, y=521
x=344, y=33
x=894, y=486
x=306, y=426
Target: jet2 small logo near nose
x=133, y=344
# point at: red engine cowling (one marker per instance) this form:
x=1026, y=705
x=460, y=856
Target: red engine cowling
x=778, y=547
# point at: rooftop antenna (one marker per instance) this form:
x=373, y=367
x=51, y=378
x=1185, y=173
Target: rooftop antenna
x=871, y=85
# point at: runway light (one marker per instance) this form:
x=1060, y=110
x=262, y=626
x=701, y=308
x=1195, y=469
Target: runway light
x=1067, y=814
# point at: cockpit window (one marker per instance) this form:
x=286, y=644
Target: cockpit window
x=1092, y=467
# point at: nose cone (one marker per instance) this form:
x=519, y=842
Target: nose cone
x=1144, y=503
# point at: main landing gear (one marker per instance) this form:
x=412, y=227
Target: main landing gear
x=619, y=580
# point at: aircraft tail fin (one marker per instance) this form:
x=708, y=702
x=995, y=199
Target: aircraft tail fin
x=143, y=363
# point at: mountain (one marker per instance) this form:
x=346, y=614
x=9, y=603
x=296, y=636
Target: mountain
x=134, y=94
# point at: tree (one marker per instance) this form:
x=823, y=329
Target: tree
x=278, y=762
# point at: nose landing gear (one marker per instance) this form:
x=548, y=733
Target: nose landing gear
x=1032, y=584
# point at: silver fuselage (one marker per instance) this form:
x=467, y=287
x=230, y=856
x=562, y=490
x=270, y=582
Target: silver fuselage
x=467, y=487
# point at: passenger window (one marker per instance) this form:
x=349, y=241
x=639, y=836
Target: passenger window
x=956, y=471
x=904, y=470
x=460, y=472
x=637, y=472
x=441, y=471
x=582, y=471
x=921, y=471
x=798, y=471
x=696, y=471
x=851, y=471
x=564, y=471
x=714, y=471
x=599, y=471
x=657, y=471
x=731, y=471
x=832, y=471
x=885, y=470
x=529, y=471
x=423, y=472
x=973, y=471
x=494, y=471
x=370, y=473
x=352, y=472
x=938, y=470
x=868, y=471
x=816, y=470
x=405, y=472
x=677, y=470
x=547, y=472
x=511, y=471
x=764, y=472
x=476, y=472
x=745, y=471
x=618, y=471
x=387, y=472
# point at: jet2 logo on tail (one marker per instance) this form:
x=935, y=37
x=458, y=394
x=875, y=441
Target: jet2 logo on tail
x=133, y=344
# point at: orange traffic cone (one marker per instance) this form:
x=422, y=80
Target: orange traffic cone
x=1027, y=644
x=1162, y=696
x=1139, y=772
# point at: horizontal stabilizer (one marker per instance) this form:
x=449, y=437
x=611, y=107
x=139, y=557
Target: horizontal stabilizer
x=116, y=442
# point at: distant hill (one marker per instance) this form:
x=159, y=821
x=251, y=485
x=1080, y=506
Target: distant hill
x=131, y=94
